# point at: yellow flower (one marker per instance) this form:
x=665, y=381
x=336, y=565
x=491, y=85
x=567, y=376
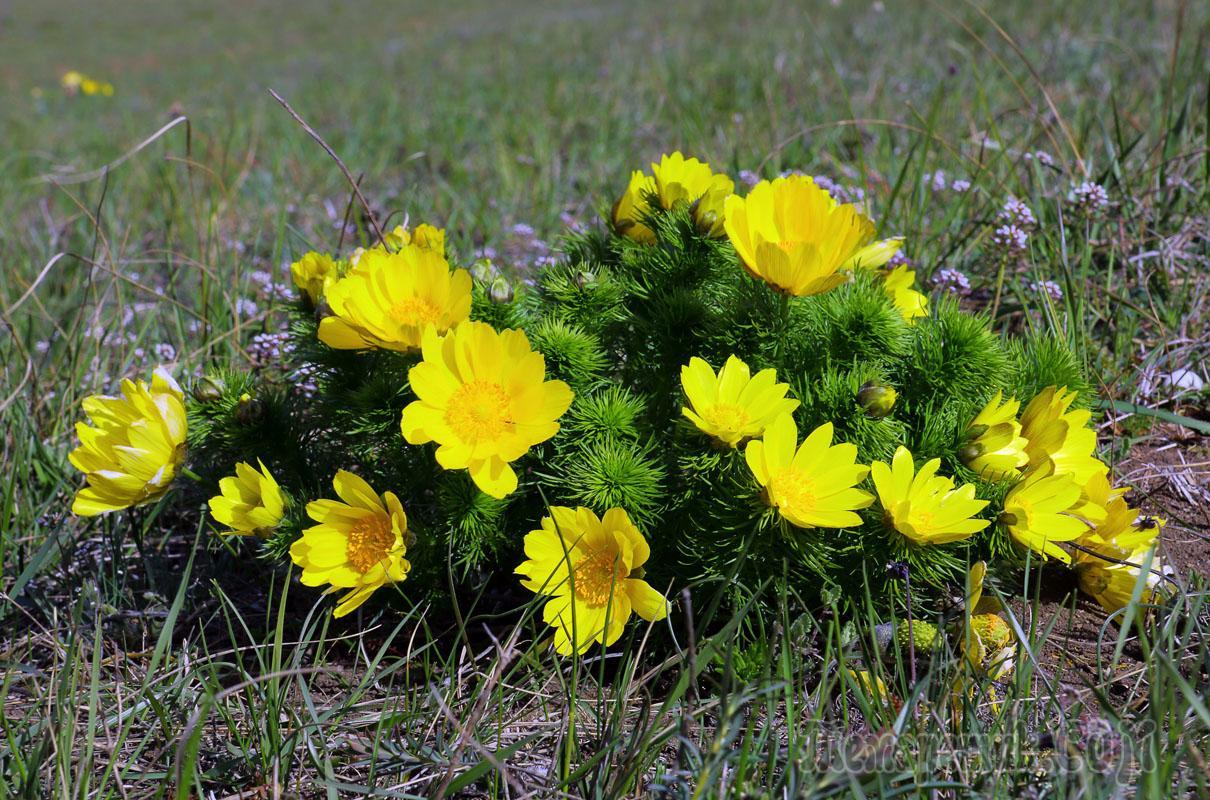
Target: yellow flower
x=791, y=234
x=815, y=486
x=312, y=273
x=484, y=399
x=71, y=80
x=133, y=449
x=359, y=544
x=592, y=569
x=1112, y=584
x=924, y=506
x=1121, y=536
x=389, y=300
x=675, y=179
x=733, y=406
x=631, y=206
x=687, y=180
x=1038, y=511
x=425, y=236
x=251, y=502
x=1060, y=436
x=899, y=284
x=996, y=448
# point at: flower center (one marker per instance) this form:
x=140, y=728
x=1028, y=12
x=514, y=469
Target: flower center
x=369, y=540
x=479, y=411
x=416, y=312
x=595, y=576
x=794, y=490
x=726, y=418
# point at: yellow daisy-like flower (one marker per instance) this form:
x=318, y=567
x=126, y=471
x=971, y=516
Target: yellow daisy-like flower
x=924, y=506
x=733, y=406
x=631, y=206
x=251, y=502
x=687, y=180
x=813, y=486
x=1111, y=583
x=995, y=447
x=675, y=179
x=389, y=300
x=131, y=453
x=358, y=545
x=312, y=273
x=1060, y=436
x=900, y=285
x=1122, y=536
x=484, y=398
x=592, y=569
x=791, y=234
x=424, y=236
x=71, y=79
x=1038, y=512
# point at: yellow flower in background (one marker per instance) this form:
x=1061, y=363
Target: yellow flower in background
x=389, y=300
x=733, y=405
x=1038, y=512
x=592, y=569
x=988, y=641
x=424, y=236
x=632, y=206
x=1060, y=436
x=996, y=448
x=251, y=502
x=791, y=234
x=1112, y=584
x=1122, y=536
x=75, y=82
x=813, y=486
x=131, y=453
x=900, y=286
x=484, y=398
x=312, y=273
x=687, y=180
x=924, y=506
x=71, y=80
x=358, y=545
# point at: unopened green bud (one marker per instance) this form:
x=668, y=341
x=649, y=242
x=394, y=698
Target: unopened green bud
x=482, y=270
x=208, y=389
x=584, y=278
x=970, y=452
x=501, y=291
x=877, y=399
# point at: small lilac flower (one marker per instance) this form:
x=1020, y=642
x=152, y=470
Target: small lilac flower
x=1011, y=240
x=1017, y=214
x=1088, y=198
x=266, y=349
x=164, y=352
x=748, y=178
x=961, y=185
x=1042, y=157
x=246, y=308
x=952, y=280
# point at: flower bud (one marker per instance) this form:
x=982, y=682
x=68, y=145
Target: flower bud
x=923, y=636
x=208, y=389
x=877, y=399
x=501, y=291
x=584, y=278
x=482, y=270
x=968, y=453
x=323, y=310
x=248, y=410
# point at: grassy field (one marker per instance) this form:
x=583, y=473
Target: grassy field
x=145, y=659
